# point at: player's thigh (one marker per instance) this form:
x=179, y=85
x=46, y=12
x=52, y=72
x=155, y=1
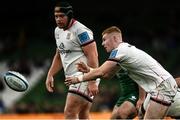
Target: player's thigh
x=174, y=109
x=84, y=110
x=76, y=103
x=127, y=108
x=155, y=110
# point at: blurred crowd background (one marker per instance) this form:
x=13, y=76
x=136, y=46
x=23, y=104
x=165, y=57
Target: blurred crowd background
x=27, y=44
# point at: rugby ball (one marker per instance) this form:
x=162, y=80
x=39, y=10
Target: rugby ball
x=16, y=81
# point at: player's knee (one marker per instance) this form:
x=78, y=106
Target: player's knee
x=69, y=112
x=123, y=114
x=84, y=114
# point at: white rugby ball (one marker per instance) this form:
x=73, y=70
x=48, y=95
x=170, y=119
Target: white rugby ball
x=16, y=81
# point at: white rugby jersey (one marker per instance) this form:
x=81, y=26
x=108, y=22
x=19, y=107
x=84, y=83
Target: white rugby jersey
x=142, y=68
x=69, y=43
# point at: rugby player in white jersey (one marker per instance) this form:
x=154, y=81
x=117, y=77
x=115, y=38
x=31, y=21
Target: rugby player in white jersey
x=174, y=109
x=75, y=43
x=141, y=67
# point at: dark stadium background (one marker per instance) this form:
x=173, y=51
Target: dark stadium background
x=26, y=35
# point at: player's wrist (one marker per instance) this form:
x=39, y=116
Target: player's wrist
x=90, y=69
x=80, y=78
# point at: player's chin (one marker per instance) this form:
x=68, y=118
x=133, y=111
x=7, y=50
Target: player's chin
x=108, y=50
x=60, y=25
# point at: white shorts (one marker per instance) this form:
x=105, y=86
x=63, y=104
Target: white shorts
x=173, y=110
x=165, y=92
x=82, y=88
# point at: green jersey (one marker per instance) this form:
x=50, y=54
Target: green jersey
x=129, y=90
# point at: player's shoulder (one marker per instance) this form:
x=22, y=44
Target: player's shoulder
x=78, y=27
x=123, y=46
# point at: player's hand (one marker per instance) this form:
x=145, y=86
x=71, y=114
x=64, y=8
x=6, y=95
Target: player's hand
x=50, y=83
x=139, y=104
x=93, y=88
x=71, y=80
x=82, y=67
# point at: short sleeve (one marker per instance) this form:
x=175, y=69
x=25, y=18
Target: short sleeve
x=117, y=56
x=84, y=36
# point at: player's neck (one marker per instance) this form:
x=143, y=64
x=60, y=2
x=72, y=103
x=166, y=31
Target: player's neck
x=71, y=23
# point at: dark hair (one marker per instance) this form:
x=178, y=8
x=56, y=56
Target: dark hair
x=65, y=8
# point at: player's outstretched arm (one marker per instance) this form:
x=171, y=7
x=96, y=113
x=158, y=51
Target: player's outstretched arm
x=105, y=71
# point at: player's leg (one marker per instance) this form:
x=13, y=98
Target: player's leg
x=155, y=110
x=125, y=107
x=161, y=98
x=172, y=112
x=76, y=107
x=174, y=109
x=85, y=110
x=72, y=106
x=124, y=111
x=78, y=102
x=114, y=113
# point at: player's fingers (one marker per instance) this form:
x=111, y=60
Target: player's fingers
x=52, y=83
x=89, y=92
x=95, y=92
x=47, y=85
x=68, y=81
x=79, y=64
x=49, y=88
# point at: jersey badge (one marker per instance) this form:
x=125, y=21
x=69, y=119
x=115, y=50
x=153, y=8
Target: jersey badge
x=68, y=36
x=113, y=54
x=83, y=37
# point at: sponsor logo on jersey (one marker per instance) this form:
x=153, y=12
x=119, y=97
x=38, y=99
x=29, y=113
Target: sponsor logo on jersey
x=83, y=37
x=62, y=50
x=113, y=54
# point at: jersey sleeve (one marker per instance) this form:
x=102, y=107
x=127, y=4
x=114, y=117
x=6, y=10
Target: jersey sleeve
x=117, y=56
x=85, y=36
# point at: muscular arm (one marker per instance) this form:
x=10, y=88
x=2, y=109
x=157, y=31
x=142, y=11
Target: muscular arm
x=91, y=53
x=56, y=65
x=105, y=71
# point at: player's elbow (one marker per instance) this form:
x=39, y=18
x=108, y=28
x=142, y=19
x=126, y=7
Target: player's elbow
x=104, y=75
